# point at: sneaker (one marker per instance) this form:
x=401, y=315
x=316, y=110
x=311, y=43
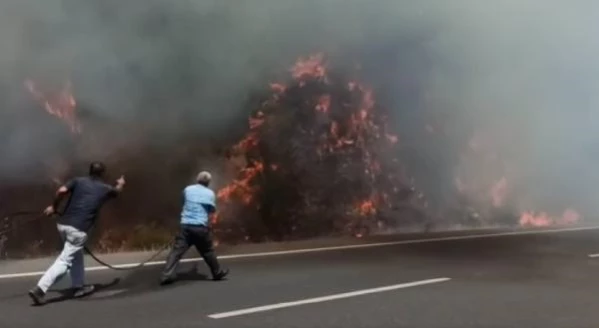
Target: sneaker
x=83, y=291
x=37, y=296
x=221, y=275
x=166, y=281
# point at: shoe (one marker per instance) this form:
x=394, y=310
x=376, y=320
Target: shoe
x=220, y=275
x=37, y=296
x=83, y=291
x=166, y=281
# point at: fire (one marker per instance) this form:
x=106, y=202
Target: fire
x=324, y=104
x=242, y=187
x=311, y=67
x=366, y=208
x=535, y=220
x=542, y=219
x=278, y=87
x=61, y=105
x=318, y=150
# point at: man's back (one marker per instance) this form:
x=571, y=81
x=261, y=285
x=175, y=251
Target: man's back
x=199, y=202
x=87, y=196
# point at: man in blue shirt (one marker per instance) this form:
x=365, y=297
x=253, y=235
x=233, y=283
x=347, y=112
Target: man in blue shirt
x=199, y=204
x=87, y=195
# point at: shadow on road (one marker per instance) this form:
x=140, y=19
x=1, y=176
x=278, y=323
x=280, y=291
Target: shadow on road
x=68, y=293
x=147, y=281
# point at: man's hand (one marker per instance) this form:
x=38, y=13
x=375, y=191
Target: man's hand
x=120, y=183
x=49, y=210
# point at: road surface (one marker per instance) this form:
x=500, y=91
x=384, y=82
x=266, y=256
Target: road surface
x=477, y=279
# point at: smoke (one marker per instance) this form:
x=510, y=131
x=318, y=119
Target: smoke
x=521, y=74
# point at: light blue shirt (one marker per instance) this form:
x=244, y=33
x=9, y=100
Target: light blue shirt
x=199, y=202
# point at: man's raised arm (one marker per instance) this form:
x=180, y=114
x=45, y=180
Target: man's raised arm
x=120, y=184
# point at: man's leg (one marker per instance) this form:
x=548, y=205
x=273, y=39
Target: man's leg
x=73, y=243
x=77, y=270
x=180, y=246
x=202, y=240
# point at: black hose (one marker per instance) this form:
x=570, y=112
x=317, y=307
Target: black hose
x=121, y=267
x=37, y=215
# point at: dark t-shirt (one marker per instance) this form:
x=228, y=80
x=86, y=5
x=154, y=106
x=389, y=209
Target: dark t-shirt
x=87, y=197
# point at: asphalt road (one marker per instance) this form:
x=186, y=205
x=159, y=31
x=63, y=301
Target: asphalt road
x=533, y=280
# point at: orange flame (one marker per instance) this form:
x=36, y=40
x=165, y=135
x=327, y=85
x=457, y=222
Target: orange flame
x=278, y=87
x=535, y=220
x=366, y=208
x=529, y=218
x=324, y=104
x=62, y=105
x=309, y=67
x=242, y=187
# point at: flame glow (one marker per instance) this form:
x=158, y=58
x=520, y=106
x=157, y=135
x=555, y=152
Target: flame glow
x=311, y=67
x=570, y=216
x=61, y=105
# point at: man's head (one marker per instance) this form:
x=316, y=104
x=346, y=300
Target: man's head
x=97, y=169
x=204, y=178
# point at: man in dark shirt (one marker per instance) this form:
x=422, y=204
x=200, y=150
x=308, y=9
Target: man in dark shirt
x=88, y=194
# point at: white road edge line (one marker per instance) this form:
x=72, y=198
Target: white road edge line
x=325, y=298
x=330, y=248
x=593, y=255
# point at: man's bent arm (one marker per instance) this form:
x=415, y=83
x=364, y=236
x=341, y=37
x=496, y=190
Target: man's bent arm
x=60, y=193
x=63, y=190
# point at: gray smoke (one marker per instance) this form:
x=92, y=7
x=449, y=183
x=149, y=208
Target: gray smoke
x=522, y=73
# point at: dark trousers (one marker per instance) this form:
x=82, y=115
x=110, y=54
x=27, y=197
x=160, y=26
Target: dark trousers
x=198, y=236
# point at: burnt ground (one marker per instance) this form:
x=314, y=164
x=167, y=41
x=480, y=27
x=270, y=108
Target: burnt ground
x=518, y=280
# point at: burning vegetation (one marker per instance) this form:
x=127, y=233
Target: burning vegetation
x=319, y=157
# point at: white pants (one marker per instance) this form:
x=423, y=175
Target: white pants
x=70, y=259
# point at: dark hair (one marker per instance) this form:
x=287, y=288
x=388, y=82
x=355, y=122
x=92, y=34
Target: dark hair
x=97, y=169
